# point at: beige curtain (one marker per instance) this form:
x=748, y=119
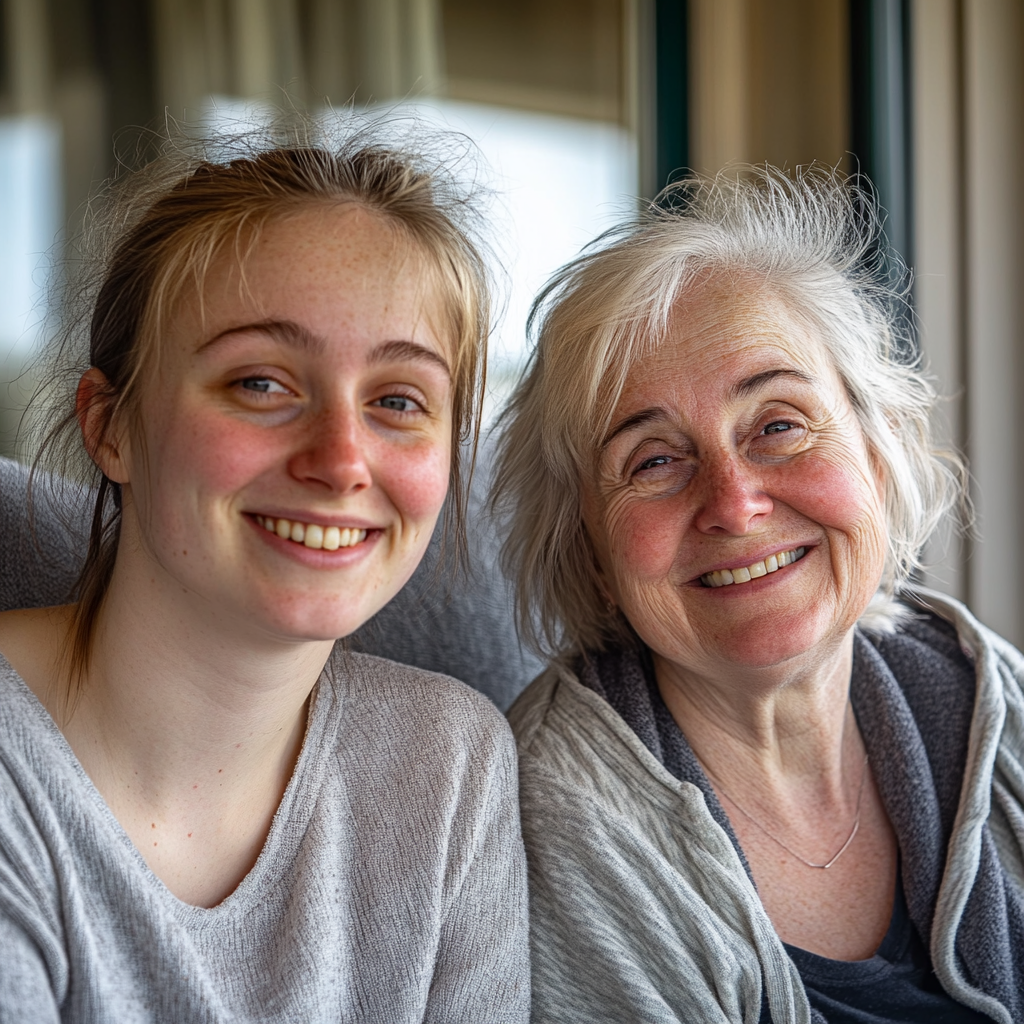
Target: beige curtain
x=288, y=51
x=969, y=288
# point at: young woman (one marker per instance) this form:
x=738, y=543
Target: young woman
x=203, y=815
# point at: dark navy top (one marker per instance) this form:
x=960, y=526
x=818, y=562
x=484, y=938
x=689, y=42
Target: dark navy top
x=896, y=984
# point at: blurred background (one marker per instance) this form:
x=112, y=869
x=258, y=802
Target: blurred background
x=579, y=106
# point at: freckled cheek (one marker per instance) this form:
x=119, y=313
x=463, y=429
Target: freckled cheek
x=415, y=479
x=194, y=458
x=221, y=455
x=840, y=496
x=835, y=493
x=643, y=541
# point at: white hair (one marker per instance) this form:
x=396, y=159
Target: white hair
x=815, y=239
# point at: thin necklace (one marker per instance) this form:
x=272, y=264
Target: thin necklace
x=775, y=839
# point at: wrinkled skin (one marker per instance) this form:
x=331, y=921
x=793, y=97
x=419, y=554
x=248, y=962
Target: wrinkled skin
x=734, y=441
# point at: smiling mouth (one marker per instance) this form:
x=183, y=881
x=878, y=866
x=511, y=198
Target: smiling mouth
x=313, y=535
x=726, y=577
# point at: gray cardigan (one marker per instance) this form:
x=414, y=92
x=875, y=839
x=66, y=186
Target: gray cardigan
x=391, y=886
x=641, y=904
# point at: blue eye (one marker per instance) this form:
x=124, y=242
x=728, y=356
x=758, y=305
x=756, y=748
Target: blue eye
x=777, y=428
x=658, y=460
x=398, y=403
x=263, y=386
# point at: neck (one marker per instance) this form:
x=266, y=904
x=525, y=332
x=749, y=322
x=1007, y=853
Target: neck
x=785, y=733
x=178, y=699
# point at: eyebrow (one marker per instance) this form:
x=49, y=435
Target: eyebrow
x=749, y=385
x=296, y=336
x=286, y=331
x=408, y=351
x=742, y=388
x=636, y=420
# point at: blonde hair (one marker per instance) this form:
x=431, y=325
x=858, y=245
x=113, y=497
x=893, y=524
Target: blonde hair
x=815, y=240
x=155, y=233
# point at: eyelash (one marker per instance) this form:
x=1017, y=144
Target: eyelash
x=260, y=393
x=652, y=462
x=243, y=381
x=418, y=405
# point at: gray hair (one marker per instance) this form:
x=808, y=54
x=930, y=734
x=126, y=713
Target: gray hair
x=816, y=240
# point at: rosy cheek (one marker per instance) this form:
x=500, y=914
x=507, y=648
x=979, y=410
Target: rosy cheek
x=416, y=479
x=226, y=453
x=834, y=492
x=643, y=541
x=214, y=453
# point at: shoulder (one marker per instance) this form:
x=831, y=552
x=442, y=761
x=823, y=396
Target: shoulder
x=606, y=826
x=24, y=722
x=581, y=764
x=948, y=626
x=556, y=716
x=415, y=731
x=422, y=699
x=37, y=813
x=943, y=653
x=926, y=654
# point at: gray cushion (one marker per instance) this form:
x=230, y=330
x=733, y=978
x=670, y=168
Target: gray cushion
x=462, y=626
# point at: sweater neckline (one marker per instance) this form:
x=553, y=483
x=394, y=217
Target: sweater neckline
x=278, y=848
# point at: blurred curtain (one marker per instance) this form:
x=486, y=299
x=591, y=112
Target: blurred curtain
x=303, y=52
x=968, y=89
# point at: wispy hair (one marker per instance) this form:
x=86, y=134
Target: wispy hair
x=815, y=240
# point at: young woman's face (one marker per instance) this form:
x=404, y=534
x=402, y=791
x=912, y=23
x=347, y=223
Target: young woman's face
x=291, y=454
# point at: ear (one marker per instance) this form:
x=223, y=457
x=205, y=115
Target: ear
x=104, y=442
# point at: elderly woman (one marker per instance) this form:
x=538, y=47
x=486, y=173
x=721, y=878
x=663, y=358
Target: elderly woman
x=763, y=779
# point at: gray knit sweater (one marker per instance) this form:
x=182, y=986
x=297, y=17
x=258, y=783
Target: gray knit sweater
x=390, y=889
x=642, y=908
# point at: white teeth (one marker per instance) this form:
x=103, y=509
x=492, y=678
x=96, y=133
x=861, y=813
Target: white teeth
x=313, y=535
x=723, y=577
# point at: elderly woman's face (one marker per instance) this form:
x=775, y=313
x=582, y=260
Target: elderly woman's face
x=734, y=455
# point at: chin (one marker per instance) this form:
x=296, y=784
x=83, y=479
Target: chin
x=778, y=641
x=308, y=632
x=312, y=622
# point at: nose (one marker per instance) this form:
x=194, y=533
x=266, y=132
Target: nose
x=732, y=498
x=333, y=452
